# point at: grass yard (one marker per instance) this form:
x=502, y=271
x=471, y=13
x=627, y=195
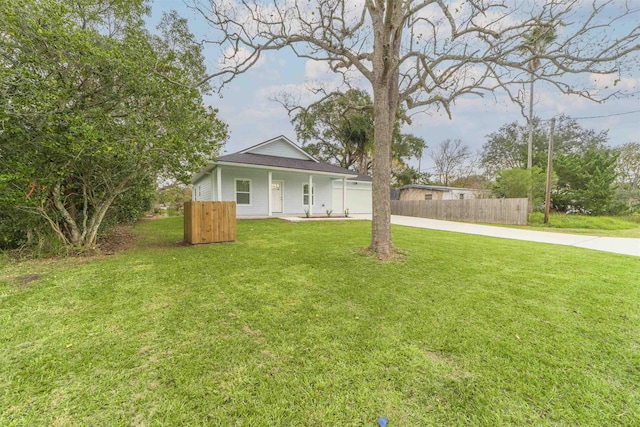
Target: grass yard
x=293, y=326
x=584, y=224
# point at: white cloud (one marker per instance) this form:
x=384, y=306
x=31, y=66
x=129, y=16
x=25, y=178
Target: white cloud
x=317, y=70
x=615, y=82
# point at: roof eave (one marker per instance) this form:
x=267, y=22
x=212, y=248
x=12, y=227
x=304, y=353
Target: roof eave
x=204, y=171
x=279, y=168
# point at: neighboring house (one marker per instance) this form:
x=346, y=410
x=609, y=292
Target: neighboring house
x=277, y=177
x=436, y=192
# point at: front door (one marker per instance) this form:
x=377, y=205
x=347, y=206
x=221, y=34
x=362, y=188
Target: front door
x=276, y=196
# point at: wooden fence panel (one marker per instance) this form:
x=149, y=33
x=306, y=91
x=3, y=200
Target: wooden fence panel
x=490, y=211
x=209, y=222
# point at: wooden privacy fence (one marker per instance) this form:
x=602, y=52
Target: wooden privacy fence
x=209, y=222
x=490, y=211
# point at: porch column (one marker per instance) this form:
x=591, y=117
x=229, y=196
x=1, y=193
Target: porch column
x=344, y=194
x=269, y=193
x=219, y=183
x=310, y=194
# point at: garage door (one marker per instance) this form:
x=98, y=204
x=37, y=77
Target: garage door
x=358, y=199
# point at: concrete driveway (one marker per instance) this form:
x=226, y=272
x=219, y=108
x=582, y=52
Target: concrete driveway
x=618, y=245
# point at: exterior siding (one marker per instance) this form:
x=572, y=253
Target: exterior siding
x=419, y=193
x=358, y=197
x=202, y=189
x=258, y=177
x=279, y=148
x=453, y=194
x=293, y=196
x=292, y=191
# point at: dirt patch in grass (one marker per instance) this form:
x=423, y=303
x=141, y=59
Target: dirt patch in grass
x=27, y=278
x=397, y=255
x=119, y=238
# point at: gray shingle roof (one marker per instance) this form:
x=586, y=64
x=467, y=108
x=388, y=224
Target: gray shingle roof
x=283, y=162
x=361, y=177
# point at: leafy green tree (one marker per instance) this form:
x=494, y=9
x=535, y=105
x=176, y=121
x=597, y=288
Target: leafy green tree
x=405, y=175
x=174, y=195
x=584, y=165
x=628, y=176
x=475, y=181
x=586, y=181
x=93, y=107
x=507, y=148
x=340, y=130
x=516, y=182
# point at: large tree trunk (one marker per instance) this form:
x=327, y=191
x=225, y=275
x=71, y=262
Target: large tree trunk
x=386, y=51
x=74, y=237
x=363, y=161
x=381, y=219
x=81, y=235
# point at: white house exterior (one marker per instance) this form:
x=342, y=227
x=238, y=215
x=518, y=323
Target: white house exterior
x=359, y=196
x=273, y=178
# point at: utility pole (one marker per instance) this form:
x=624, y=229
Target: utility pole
x=530, y=140
x=547, y=198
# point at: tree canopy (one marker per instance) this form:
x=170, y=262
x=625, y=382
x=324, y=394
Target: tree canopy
x=507, y=147
x=586, y=181
x=518, y=182
x=584, y=166
x=628, y=175
x=340, y=130
x=90, y=109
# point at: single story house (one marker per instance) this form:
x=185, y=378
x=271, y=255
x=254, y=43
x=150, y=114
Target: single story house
x=277, y=177
x=437, y=192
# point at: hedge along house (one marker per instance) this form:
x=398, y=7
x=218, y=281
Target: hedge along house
x=277, y=177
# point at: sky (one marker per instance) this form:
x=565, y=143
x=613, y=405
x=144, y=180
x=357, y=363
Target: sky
x=253, y=116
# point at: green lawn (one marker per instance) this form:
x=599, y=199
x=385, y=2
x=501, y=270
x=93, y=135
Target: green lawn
x=293, y=326
x=585, y=224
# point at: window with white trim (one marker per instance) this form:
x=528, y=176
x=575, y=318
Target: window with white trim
x=243, y=191
x=305, y=194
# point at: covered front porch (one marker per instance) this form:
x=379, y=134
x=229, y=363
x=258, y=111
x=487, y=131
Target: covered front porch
x=274, y=192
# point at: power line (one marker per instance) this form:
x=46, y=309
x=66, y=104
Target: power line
x=607, y=115
x=596, y=117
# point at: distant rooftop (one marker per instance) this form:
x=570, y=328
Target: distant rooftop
x=437, y=188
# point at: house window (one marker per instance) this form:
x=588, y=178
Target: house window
x=243, y=191
x=461, y=196
x=428, y=196
x=305, y=194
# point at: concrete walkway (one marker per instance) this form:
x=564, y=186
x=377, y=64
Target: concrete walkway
x=618, y=245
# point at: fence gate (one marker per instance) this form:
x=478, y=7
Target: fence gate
x=209, y=222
